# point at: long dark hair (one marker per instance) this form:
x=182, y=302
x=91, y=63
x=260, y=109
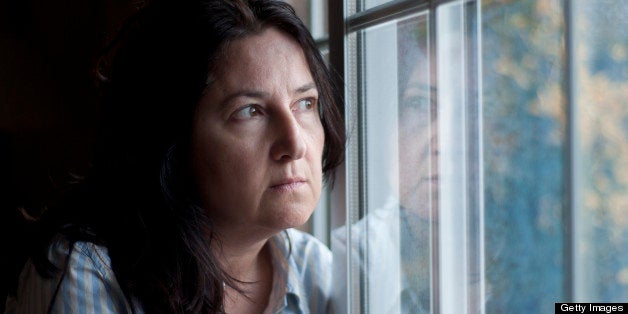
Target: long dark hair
x=139, y=200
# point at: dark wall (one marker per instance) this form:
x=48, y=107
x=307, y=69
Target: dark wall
x=48, y=103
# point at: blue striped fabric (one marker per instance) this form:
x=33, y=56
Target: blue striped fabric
x=302, y=281
x=88, y=286
x=308, y=282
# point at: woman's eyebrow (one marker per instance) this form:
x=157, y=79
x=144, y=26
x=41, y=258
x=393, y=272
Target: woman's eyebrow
x=245, y=93
x=250, y=93
x=305, y=88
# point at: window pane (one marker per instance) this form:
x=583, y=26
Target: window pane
x=390, y=233
x=524, y=153
x=363, y=5
x=520, y=124
x=601, y=200
x=538, y=176
x=417, y=184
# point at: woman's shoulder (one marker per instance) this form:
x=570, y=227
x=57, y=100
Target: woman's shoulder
x=83, y=280
x=70, y=256
x=80, y=253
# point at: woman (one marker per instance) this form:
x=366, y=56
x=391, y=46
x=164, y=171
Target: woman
x=220, y=121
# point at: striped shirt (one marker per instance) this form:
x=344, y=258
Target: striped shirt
x=301, y=283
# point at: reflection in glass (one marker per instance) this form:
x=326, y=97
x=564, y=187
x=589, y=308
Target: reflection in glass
x=416, y=147
x=390, y=235
x=524, y=208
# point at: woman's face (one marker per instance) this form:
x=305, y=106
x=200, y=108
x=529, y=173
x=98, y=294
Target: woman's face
x=258, y=139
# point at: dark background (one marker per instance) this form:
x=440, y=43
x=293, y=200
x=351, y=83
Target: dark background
x=48, y=104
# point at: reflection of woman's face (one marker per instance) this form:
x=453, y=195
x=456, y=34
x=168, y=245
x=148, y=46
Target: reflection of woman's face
x=417, y=133
x=258, y=139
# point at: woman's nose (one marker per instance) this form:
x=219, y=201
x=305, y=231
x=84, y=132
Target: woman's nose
x=289, y=141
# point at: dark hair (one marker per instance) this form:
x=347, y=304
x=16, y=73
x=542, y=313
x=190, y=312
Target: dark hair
x=139, y=200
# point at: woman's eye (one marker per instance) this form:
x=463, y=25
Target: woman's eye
x=305, y=104
x=247, y=112
x=416, y=102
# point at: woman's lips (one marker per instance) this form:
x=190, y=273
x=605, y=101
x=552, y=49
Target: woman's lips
x=288, y=184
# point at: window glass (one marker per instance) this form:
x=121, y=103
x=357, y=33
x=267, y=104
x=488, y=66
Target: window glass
x=487, y=167
x=363, y=5
x=524, y=153
x=555, y=164
x=390, y=209
x=600, y=62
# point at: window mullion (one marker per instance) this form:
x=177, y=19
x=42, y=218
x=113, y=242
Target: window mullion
x=572, y=284
x=434, y=164
x=475, y=163
x=452, y=159
x=460, y=204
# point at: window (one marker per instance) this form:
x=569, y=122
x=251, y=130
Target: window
x=487, y=162
x=599, y=130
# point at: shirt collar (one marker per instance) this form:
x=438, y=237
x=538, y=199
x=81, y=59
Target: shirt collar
x=286, y=292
